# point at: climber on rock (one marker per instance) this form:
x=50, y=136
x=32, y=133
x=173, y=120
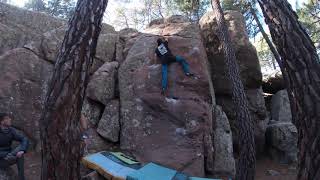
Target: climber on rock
x=166, y=57
x=9, y=156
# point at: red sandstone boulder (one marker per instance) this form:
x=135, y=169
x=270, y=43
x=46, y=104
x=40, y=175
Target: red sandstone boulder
x=162, y=129
x=23, y=81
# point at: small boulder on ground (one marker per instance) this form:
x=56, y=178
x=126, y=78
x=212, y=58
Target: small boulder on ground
x=280, y=107
x=224, y=163
x=282, y=142
x=109, y=125
x=102, y=84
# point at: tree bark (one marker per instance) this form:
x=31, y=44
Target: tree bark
x=246, y=162
x=60, y=132
x=302, y=66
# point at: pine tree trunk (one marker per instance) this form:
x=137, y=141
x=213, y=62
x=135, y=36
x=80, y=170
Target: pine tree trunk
x=275, y=54
x=302, y=65
x=60, y=132
x=266, y=37
x=246, y=161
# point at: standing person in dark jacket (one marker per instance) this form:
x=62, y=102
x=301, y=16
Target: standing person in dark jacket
x=9, y=156
x=166, y=57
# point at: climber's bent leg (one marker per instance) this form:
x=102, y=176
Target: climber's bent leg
x=164, y=76
x=184, y=64
x=15, y=160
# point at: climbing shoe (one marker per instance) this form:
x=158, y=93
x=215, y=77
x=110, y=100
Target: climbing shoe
x=189, y=74
x=163, y=91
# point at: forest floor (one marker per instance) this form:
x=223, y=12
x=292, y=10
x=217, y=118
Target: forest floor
x=265, y=167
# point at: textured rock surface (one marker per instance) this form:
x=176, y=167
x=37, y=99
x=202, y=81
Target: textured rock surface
x=280, y=107
x=97, y=143
x=19, y=27
x=250, y=71
x=224, y=163
x=49, y=43
x=246, y=54
x=273, y=82
x=258, y=113
x=23, y=82
x=157, y=128
x=25, y=71
x=127, y=38
x=22, y=26
x=102, y=84
x=282, y=142
x=92, y=111
x=175, y=132
x=109, y=126
x=106, y=50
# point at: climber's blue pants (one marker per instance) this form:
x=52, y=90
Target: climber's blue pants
x=182, y=62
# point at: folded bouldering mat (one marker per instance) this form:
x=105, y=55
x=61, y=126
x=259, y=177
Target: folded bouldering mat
x=197, y=178
x=118, y=166
x=152, y=171
x=111, y=165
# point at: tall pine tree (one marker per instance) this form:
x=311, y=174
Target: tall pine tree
x=301, y=65
x=246, y=161
x=60, y=133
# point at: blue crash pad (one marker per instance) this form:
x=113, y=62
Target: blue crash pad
x=107, y=166
x=152, y=171
x=197, y=178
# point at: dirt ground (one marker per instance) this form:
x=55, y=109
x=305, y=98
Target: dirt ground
x=286, y=172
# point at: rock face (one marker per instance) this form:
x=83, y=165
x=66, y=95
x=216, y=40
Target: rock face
x=23, y=80
x=25, y=71
x=280, y=107
x=282, y=141
x=48, y=45
x=19, y=27
x=97, y=143
x=127, y=38
x=273, y=82
x=250, y=71
x=282, y=135
x=224, y=163
x=22, y=26
x=101, y=87
x=157, y=128
x=246, y=54
x=109, y=126
x=92, y=111
x=183, y=130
